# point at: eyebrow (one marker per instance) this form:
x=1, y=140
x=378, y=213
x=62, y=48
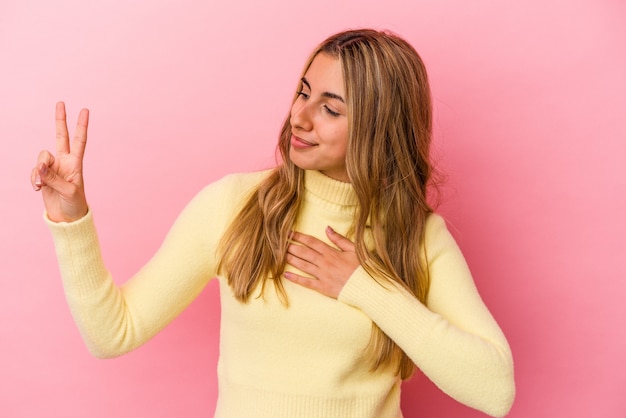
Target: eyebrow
x=326, y=93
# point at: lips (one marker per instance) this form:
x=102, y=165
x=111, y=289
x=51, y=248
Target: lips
x=298, y=142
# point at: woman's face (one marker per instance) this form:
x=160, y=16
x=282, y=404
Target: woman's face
x=319, y=122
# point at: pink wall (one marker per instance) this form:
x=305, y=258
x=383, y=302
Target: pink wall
x=530, y=101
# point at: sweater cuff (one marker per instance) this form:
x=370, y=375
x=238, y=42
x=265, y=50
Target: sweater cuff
x=52, y=224
x=78, y=253
x=357, y=288
x=391, y=307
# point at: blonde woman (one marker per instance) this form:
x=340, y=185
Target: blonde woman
x=336, y=277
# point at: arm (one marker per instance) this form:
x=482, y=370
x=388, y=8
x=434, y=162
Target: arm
x=116, y=319
x=454, y=340
x=112, y=319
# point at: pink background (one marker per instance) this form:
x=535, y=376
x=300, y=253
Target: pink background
x=530, y=98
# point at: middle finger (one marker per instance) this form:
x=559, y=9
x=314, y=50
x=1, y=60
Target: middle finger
x=304, y=253
x=62, y=135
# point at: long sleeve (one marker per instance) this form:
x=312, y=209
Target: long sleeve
x=455, y=341
x=116, y=319
x=265, y=346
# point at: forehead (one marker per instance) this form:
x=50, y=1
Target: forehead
x=325, y=74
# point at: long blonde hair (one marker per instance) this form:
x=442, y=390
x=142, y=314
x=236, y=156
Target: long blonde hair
x=387, y=160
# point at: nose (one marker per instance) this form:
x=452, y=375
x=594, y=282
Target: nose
x=300, y=116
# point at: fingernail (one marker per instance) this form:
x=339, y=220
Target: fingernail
x=38, y=182
x=329, y=229
x=43, y=169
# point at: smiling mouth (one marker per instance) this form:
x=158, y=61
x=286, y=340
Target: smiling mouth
x=301, y=143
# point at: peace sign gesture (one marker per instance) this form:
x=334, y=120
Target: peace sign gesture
x=60, y=177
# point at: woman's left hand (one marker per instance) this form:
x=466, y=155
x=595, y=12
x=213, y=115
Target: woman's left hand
x=330, y=267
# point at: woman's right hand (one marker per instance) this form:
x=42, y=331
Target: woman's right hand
x=60, y=177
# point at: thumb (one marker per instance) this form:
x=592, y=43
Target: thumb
x=50, y=178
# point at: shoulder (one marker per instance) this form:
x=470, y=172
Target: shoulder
x=435, y=223
x=241, y=181
x=235, y=186
x=437, y=237
x=245, y=181
x=435, y=229
x=225, y=195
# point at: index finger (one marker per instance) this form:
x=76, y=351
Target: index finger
x=63, y=139
x=339, y=240
x=309, y=241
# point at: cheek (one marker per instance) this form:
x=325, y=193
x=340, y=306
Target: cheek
x=341, y=138
x=340, y=146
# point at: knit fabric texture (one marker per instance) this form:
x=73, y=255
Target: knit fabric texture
x=306, y=359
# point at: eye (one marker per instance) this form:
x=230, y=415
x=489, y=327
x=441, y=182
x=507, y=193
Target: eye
x=330, y=111
x=303, y=94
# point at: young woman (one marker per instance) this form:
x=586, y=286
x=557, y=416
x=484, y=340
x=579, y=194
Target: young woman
x=336, y=277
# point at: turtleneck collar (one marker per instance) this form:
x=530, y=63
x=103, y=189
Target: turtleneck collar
x=329, y=189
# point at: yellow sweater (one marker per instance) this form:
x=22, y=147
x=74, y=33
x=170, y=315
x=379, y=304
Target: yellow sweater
x=304, y=360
